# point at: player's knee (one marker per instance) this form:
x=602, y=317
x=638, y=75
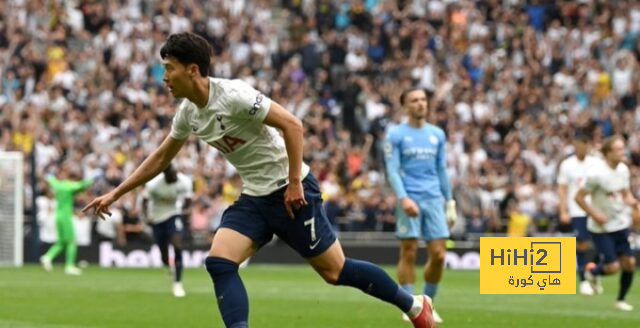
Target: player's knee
x=408, y=257
x=437, y=256
x=217, y=267
x=612, y=267
x=176, y=241
x=330, y=276
x=582, y=246
x=629, y=264
x=409, y=252
x=330, y=273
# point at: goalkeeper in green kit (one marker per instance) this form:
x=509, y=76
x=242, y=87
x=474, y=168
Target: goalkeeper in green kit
x=64, y=190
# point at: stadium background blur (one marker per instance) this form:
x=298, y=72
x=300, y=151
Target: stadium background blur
x=510, y=81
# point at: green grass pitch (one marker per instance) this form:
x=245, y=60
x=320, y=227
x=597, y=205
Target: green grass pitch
x=280, y=297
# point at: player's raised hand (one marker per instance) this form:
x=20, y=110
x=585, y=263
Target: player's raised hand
x=410, y=207
x=294, y=198
x=101, y=205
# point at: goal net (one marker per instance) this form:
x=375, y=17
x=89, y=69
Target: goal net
x=11, y=189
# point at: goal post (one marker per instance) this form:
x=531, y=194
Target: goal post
x=11, y=208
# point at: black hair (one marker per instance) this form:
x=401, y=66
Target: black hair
x=404, y=94
x=582, y=135
x=188, y=48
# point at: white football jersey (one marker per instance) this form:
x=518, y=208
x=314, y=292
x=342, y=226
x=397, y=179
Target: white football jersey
x=606, y=186
x=166, y=200
x=232, y=122
x=573, y=174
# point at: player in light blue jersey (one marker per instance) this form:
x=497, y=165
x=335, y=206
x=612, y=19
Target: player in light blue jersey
x=416, y=169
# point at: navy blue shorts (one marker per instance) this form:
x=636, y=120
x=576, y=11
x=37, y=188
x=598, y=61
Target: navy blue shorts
x=163, y=231
x=258, y=218
x=579, y=224
x=612, y=244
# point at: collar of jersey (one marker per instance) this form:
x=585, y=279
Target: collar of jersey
x=211, y=94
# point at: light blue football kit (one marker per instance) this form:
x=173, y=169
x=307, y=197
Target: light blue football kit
x=416, y=167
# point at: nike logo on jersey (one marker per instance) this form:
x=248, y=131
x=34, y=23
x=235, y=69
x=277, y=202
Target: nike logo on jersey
x=314, y=245
x=219, y=118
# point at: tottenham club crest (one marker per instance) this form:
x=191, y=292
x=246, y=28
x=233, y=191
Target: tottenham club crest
x=219, y=119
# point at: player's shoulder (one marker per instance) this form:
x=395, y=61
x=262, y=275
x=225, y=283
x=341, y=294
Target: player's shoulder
x=568, y=161
x=231, y=87
x=222, y=83
x=435, y=129
x=184, y=178
x=623, y=167
x=593, y=159
x=597, y=161
x=155, y=181
x=238, y=94
x=597, y=167
x=394, y=130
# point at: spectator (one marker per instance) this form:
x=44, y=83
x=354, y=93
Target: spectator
x=509, y=81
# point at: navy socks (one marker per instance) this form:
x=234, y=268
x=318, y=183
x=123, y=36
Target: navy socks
x=374, y=281
x=625, y=283
x=230, y=292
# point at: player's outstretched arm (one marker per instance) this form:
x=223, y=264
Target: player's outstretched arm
x=150, y=167
x=78, y=186
x=291, y=128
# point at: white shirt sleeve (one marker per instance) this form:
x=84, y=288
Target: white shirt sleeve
x=563, y=179
x=180, y=128
x=247, y=103
x=626, y=173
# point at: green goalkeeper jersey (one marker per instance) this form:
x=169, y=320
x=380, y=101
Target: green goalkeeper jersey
x=64, y=191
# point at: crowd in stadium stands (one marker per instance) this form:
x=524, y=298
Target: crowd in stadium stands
x=510, y=82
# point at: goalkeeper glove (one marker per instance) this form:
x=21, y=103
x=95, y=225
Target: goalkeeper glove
x=451, y=213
